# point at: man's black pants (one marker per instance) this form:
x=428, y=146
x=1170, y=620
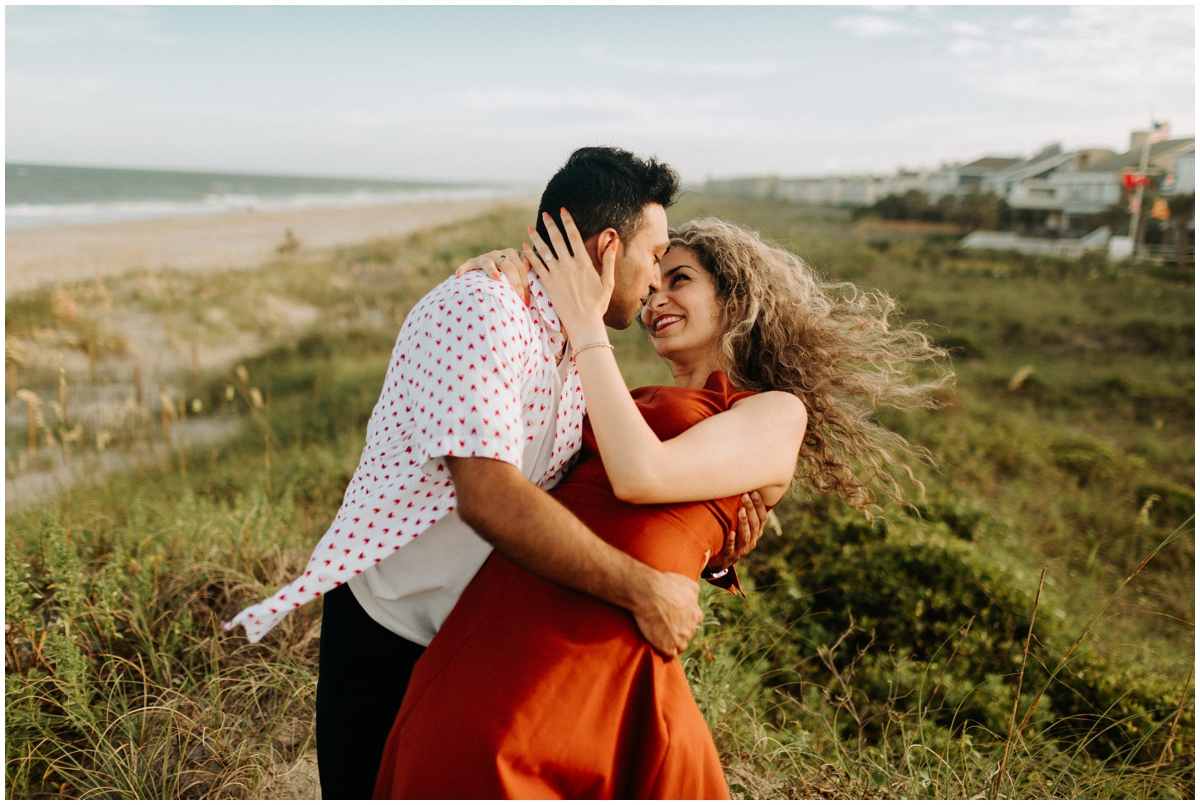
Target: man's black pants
x=363, y=675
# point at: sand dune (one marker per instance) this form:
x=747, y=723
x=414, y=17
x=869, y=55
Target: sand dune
x=46, y=255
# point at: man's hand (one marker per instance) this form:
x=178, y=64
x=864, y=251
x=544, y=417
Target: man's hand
x=534, y=531
x=670, y=613
x=752, y=519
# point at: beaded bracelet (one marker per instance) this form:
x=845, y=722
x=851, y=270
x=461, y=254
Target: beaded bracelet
x=604, y=344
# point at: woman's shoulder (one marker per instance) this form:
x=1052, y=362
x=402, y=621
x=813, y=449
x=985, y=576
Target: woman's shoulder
x=720, y=383
x=777, y=407
x=720, y=392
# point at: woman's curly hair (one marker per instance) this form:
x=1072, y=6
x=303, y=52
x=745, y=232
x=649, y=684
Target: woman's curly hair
x=830, y=344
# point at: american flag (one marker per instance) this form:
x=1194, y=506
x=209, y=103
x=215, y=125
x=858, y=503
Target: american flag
x=1159, y=131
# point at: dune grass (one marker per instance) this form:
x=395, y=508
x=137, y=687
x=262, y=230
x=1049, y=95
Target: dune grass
x=885, y=659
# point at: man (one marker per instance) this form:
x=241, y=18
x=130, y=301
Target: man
x=480, y=412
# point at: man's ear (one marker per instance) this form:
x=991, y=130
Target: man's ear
x=596, y=244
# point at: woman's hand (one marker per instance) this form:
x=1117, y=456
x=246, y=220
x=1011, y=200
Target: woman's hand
x=578, y=292
x=501, y=264
x=752, y=520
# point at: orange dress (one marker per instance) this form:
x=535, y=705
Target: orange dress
x=532, y=690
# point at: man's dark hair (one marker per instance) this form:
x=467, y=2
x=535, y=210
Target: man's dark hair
x=603, y=187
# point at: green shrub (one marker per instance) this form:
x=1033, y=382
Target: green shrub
x=922, y=615
x=1090, y=461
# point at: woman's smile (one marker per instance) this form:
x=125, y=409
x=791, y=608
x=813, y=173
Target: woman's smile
x=663, y=322
x=682, y=317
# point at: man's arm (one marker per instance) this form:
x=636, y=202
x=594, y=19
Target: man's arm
x=535, y=532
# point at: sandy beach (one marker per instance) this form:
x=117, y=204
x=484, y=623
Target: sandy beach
x=48, y=255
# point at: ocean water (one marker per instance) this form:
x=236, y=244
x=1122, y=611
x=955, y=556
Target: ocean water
x=45, y=195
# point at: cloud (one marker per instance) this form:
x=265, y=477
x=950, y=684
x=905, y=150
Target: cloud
x=1027, y=23
x=52, y=90
x=674, y=66
x=865, y=26
x=524, y=100
x=42, y=25
x=1122, y=57
x=582, y=114
x=968, y=47
x=967, y=29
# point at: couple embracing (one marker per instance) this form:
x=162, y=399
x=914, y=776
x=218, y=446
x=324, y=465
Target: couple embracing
x=512, y=573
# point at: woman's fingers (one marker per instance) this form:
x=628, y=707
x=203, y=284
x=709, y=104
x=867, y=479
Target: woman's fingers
x=608, y=267
x=515, y=270
x=502, y=264
x=745, y=530
x=759, y=521
x=556, y=238
x=539, y=245
x=724, y=557
x=535, y=262
x=572, y=233
x=486, y=262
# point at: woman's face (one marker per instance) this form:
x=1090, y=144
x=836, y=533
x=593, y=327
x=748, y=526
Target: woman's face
x=683, y=317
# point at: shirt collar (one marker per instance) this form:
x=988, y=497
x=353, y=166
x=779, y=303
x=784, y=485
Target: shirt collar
x=539, y=303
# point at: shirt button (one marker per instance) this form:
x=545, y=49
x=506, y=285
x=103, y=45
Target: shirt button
x=323, y=577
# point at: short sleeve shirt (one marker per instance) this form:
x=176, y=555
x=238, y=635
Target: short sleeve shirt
x=471, y=375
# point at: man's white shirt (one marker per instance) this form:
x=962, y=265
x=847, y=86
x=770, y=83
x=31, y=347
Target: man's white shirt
x=473, y=375
x=411, y=592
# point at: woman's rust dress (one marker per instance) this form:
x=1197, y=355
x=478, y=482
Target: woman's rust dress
x=531, y=690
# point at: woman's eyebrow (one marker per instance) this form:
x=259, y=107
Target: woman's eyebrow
x=667, y=274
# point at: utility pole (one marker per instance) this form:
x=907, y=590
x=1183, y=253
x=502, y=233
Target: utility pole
x=1141, y=189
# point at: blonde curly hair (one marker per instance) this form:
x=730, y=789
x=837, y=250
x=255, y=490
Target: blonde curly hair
x=829, y=343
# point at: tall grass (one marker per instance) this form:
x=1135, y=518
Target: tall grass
x=870, y=660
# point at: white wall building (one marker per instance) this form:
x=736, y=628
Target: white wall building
x=1092, y=180
x=1183, y=173
x=1053, y=191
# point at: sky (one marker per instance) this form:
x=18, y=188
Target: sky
x=504, y=94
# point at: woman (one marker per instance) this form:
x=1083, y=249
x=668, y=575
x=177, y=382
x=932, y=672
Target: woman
x=531, y=690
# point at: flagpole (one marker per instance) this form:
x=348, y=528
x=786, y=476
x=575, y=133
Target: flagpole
x=1141, y=189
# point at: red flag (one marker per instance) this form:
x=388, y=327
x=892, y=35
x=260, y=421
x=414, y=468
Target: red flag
x=1132, y=180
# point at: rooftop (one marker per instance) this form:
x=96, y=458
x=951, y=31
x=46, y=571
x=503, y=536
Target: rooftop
x=989, y=164
x=1131, y=159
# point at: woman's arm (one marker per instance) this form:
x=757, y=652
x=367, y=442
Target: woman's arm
x=754, y=445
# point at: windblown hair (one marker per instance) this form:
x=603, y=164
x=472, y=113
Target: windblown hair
x=830, y=344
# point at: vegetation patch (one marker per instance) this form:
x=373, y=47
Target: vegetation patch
x=921, y=654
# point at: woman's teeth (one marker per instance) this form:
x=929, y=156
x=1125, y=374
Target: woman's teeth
x=666, y=321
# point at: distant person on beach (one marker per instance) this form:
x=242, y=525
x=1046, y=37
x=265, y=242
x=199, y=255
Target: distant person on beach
x=531, y=690
x=482, y=410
